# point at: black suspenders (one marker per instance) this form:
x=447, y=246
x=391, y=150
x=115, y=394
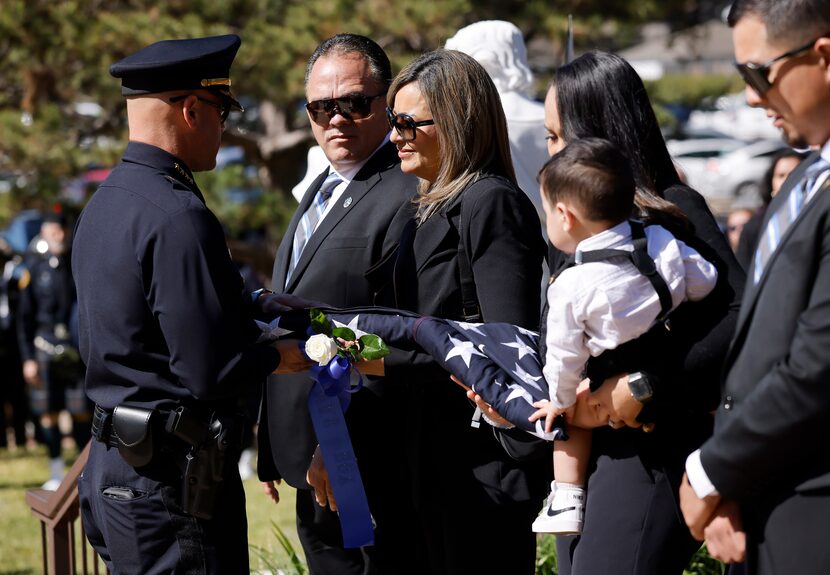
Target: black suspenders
x=641, y=260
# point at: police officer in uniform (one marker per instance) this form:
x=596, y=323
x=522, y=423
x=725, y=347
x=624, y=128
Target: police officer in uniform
x=166, y=331
x=51, y=365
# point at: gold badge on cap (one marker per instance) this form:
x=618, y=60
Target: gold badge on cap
x=216, y=82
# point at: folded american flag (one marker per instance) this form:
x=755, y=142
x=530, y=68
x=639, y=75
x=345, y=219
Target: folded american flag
x=499, y=361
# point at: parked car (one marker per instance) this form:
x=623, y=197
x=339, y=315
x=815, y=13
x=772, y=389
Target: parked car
x=733, y=116
x=693, y=156
x=728, y=174
x=22, y=229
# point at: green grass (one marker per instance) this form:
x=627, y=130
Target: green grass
x=19, y=530
x=272, y=535
x=20, y=545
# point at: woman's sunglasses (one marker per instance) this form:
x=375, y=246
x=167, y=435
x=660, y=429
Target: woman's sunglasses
x=405, y=125
x=351, y=107
x=756, y=76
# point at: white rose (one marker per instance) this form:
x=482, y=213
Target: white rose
x=320, y=348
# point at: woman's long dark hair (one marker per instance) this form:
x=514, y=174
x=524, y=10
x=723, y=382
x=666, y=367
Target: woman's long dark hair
x=600, y=95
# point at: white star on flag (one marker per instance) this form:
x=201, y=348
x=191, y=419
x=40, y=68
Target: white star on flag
x=463, y=349
x=352, y=325
x=525, y=376
x=473, y=327
x=518, y=391
x=271, y=331
x=527, y=332
x=521, y=346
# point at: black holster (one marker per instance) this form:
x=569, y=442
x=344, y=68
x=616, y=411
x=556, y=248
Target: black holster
x=204, y=467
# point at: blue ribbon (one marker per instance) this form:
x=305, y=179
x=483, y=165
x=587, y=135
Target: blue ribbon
x=327, y=401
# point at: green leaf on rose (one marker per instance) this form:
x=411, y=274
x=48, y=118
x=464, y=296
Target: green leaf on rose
x=319, y=322
x=343, y=333
x=373, y=347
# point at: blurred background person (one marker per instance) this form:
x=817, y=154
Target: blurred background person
x=780, y=167
x=52, y=367
x=735, y=222
x=13, y=276
x=500, y=48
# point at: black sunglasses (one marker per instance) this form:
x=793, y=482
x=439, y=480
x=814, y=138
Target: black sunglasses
x=351, y=107
x=405, y=125
x=224, y=106
x=756, y=76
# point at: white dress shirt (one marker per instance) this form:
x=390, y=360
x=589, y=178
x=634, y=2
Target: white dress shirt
x=347, y=176
x=596, y=306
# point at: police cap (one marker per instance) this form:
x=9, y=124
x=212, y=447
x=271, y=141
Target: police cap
x=55, y=217
x=193, y=64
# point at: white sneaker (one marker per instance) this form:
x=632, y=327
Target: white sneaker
x=56, y=473
x=51, y=484
x=563, y=512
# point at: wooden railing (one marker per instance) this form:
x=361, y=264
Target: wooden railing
x=62, y=539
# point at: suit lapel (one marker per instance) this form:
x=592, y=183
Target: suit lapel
x=367, y=178
x=753, y=290
x=284, y=253
x=435, y=230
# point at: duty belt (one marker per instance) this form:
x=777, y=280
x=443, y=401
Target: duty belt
x=179, y=423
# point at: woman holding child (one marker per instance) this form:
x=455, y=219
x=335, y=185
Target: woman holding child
x=632, y=521
x=472, y=252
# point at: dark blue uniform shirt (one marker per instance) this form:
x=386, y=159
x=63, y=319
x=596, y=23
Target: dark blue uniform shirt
x=46, y=303
x=163, y=318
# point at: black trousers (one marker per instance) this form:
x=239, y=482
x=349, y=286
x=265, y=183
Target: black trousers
x=320, y=536
x=134, y=520
x=398, y=549
x=789, y=535
x=13, y=391
x=633, y=524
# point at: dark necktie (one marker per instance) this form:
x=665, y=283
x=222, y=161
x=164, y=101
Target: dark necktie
x=785, y=216
x=310, y=219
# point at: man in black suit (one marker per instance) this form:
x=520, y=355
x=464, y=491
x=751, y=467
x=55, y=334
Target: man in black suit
x=350, y=217
x=760, y=487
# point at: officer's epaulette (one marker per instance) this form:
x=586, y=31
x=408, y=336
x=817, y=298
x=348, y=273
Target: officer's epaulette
x=186, y=180
x=183, y=173
x=24, y=280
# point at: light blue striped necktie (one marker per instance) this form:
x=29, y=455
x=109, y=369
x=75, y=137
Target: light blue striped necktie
x=310, y=219
x=786, y=214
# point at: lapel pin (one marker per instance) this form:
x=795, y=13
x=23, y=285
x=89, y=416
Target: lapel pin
x=347, y=202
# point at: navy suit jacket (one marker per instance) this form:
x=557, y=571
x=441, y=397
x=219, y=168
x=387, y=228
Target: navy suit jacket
x=776, y=397
x=352, y=238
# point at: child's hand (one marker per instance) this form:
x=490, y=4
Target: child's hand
x=546, y=410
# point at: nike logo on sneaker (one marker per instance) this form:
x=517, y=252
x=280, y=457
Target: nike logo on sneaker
x=552, y=513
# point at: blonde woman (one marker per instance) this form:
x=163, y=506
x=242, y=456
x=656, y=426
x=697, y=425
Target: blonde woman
x=473, y=226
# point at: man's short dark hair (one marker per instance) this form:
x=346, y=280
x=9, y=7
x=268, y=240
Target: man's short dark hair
x=343, y=44
x=787, y=21
x=596, y=176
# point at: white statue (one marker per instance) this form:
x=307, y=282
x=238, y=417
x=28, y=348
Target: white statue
x=499, y=47
x=317, y=162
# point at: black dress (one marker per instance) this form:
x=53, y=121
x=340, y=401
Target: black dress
x=474, y=502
